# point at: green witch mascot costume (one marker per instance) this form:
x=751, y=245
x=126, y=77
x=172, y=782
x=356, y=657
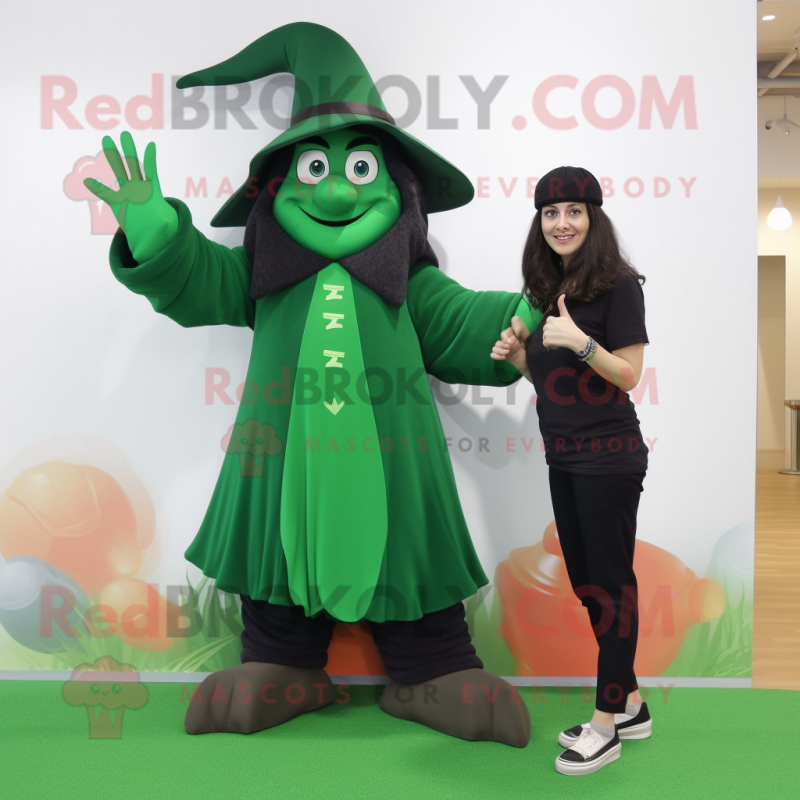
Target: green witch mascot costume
x=336, y=499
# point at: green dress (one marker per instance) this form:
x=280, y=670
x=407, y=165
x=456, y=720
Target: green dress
x=336, y=492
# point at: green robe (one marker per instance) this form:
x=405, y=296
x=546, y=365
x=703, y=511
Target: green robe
x=419, y=553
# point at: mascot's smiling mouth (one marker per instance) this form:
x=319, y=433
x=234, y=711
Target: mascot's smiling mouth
x=334, y=224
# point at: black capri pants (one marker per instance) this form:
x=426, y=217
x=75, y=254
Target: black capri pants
x=596, y=520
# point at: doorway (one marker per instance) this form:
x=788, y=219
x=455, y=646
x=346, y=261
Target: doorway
x=771, y=435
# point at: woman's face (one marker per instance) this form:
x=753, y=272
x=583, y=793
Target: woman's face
x=565, y=226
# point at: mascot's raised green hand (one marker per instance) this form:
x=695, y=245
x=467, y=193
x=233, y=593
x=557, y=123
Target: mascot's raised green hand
x=146, y=218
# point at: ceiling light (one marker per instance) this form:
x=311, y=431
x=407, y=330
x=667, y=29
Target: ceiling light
x=768, y=17
x=779, y=219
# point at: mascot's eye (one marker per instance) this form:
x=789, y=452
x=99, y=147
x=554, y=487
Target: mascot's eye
x=361, y=167
x=116, y=688
x=259, y=441
x=244, y=441
x=95, y=688
x=312, y=166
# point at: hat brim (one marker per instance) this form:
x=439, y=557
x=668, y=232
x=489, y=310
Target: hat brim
x=445, y=186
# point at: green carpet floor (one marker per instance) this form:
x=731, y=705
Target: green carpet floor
x=708, y=744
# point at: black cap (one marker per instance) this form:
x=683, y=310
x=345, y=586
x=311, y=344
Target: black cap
x=567, y=185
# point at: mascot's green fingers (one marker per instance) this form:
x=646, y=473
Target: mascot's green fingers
x=101, y=191
x=150, y=171
x=114, y=160
x=131, y=159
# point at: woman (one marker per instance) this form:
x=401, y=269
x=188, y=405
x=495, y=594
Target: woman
x=582, y=361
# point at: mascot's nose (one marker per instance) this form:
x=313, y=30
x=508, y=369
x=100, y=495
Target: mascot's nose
x=335, y=196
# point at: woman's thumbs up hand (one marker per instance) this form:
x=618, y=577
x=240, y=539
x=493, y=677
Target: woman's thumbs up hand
x=561, y=331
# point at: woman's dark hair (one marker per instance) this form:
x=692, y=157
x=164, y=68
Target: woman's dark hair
x=592, y=269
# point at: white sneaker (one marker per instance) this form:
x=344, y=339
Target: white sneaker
x=628, y=727
x=589, y=753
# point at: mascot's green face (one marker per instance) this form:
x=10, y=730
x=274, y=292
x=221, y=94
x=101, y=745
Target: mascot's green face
x=338, y=197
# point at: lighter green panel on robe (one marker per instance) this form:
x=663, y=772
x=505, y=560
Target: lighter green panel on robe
x=333, y=499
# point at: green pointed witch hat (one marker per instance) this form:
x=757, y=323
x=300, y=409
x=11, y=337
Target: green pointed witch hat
x=332, y=90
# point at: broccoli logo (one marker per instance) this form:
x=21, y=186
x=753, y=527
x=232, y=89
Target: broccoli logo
x=252, y=441
x=103, y=220
x=106, y=688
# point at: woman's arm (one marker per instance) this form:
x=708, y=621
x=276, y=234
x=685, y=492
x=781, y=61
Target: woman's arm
x=622, y=367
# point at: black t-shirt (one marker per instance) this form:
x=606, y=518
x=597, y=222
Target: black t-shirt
x=588, y=425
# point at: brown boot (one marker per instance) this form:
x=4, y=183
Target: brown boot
x=471, y=704
x=255, y=696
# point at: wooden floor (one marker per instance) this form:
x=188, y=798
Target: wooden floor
x=776, y=615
